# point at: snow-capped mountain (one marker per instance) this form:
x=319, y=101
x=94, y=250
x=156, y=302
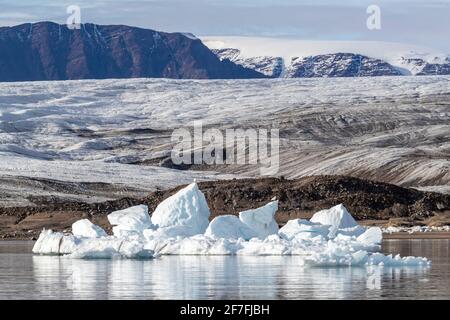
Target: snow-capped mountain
x=339, y=65
x=297, y=58
x=421, y=67
x=269, y=66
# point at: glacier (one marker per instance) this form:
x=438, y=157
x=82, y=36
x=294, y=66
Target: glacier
x=79, y=135
x=179, y=226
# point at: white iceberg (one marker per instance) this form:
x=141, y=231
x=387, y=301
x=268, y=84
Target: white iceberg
x=229, y=227
x=49, y=242
x=331, y=238
x=372, y=235
x=55, y=243
x=261, y=220
x=107, y=248
x=339, y=220
x=303, y=229
x=130, y=221
x=85, y=228
x=187, y=210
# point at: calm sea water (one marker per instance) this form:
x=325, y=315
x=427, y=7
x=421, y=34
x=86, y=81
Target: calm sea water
x=25, y=276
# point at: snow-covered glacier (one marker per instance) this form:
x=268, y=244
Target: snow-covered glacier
x=179, y=226
x=97, y=140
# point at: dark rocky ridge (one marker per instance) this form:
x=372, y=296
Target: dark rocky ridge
x=49, y=51
x=300, y=198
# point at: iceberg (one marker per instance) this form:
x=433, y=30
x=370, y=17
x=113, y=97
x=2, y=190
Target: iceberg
x=339, y=220
x=261, y=220
x=303, y=229
x=130, y=221
x=107, y=248
x=49, y=242
x=85, y=228
x=55, y=243
x=372, y=235
x=180, y=226
x=187, y=210
x=229, y=227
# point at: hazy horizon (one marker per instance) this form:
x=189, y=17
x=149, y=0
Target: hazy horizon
x=403, y=21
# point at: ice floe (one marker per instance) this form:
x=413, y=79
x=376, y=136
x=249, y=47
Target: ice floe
x=261, y=220
x=339, y=220
x=229, y=227
x=130, y=221
x=187, y=211
x=416, y=229
x=300, y=228
x=85, y=228
x=180, y=226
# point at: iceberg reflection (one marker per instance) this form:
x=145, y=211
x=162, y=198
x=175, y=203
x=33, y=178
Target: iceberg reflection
x=215, y=277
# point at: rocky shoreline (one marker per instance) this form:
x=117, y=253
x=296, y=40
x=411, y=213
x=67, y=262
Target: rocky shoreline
x=371, y=203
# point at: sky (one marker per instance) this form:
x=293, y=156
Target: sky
x=425, y=23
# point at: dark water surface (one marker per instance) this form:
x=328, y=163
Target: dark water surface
x=25, y=276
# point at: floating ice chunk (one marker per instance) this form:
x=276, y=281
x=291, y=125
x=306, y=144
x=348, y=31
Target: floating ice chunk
x=48, y=242
x=261, y=220
x=111, y=247
x=255, y=233
x=372, y=235
x=355, y=231
x=336, y=259
x=229, y=227
x=103, y=248
x=294, y=228
x=196, y=245
x=337, y=217
x=85, y=228
x=397, y=261
x=55, y=243
x=169, y=232
x=187, y=210
x=272, y=245
x=69, y=244
x=130, y=221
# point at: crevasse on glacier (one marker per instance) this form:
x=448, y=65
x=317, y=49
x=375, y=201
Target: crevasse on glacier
x=180, y=226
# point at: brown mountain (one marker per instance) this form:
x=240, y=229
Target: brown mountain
x=49, y=51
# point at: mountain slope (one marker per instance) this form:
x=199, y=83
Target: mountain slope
x=48, y=51
x=277, y=57
x=269, y=66
x=340, y=65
